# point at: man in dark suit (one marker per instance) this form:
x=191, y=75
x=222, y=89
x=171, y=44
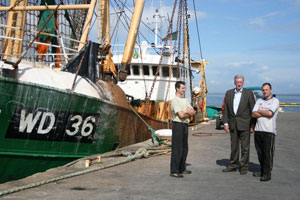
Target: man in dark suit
x=239, y=103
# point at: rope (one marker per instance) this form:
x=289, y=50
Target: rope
x=155, y=139
x=140, y=153
x=199, y=41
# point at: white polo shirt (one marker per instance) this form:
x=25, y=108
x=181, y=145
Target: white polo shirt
x=266, y=124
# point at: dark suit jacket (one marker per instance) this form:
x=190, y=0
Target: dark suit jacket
x=242, y=119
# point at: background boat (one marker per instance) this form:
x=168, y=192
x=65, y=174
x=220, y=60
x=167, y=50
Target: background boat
x=157, y=63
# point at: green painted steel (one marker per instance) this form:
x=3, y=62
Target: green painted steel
x=27, y=111
x=16, y=167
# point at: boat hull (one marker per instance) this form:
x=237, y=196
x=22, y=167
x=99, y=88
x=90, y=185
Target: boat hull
x=43, y=127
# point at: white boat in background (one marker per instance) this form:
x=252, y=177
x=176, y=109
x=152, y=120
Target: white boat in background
x=154, y=70
x=146, y=60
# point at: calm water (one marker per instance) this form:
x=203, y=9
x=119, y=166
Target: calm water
x=216, y=99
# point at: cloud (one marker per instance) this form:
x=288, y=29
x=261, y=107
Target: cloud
x=258, y=21
x=283, y=79
x=265, y=68
x=261, y=21
x=275, y=21
x=200, y=15
x=239, y=64
x=281, y=71
x=272, y=14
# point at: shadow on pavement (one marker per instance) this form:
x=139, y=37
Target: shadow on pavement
x=252, y=167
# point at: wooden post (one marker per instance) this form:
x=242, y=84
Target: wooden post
x=21, y=19
x=133, y=31
x=201, y=66
x=203, y=86
x=107, y=65
x=105, y=31
x=131, y=38
x=8, y=44
x=87, y=24
x=40, y=8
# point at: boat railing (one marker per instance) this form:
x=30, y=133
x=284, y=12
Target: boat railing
x=62, y=57
x=149, y=49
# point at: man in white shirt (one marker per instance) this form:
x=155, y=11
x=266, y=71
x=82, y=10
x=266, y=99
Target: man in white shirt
x=265, y=111
x=182, y=110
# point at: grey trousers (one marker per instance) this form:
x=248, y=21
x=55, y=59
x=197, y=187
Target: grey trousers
x=239, y=140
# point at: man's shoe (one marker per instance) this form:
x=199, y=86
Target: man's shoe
x=186, y=172
x=176, y=175
x=243, y=171
x=265, y=178
x=229, y=169
x=257, y=174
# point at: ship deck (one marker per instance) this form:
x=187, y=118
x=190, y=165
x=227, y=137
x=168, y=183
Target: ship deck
x=149, y=178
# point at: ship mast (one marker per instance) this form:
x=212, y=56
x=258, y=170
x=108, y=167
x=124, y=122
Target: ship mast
x=131, y=38
x=87, y=24
x=156, y=17
x=107, y=67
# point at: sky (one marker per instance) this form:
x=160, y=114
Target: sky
x=259, y=39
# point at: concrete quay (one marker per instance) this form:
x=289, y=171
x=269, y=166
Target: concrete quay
x=209, y=151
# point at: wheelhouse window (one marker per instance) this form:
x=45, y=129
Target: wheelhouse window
x=165, y=71
x=175, y=72
x=154, y=69
x=128, y=70
x=136, y=70
x=146, y=70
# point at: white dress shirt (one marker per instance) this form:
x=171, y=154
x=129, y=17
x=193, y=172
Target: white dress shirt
x=237, y=99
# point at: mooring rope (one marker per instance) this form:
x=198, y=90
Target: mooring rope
x=155, y=138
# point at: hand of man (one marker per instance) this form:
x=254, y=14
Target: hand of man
x=251, y=130
x=191, y=111
x=226, y=128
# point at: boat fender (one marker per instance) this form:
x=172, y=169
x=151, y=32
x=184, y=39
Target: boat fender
x=164, y=132
x=201, y=105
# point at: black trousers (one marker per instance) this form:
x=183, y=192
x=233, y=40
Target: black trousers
x=265, y=147
x=239, y=140
x=179, y=147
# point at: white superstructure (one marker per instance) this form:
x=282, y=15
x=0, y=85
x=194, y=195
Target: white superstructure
x=143, y=67
x=144, y=64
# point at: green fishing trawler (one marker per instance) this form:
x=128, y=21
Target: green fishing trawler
x=55, y=106
x=60, y=95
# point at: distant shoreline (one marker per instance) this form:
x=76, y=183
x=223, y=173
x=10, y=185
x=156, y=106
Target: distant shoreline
x=273, y=93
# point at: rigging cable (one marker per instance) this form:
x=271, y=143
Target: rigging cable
x=179, y=29
x=188, y=45
x=201, y=56
x=144, y=25
x=163, y=49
